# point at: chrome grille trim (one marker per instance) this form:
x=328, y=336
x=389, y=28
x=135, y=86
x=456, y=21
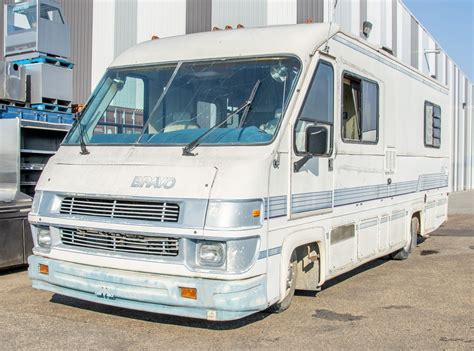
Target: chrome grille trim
x=118, y=242
x=160, y=211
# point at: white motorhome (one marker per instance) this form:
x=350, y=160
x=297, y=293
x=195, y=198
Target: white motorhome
x=212, y=174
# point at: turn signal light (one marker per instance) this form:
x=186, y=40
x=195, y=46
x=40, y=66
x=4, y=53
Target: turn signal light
x=189, y=293
x=43, y=268
x=256, y=213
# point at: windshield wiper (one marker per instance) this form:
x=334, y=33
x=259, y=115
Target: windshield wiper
x=160, y=99
x=245, y=106
x=84, y=150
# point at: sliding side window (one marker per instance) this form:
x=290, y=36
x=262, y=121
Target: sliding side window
x=360, y=105
x=432, y=125
x=318, y=107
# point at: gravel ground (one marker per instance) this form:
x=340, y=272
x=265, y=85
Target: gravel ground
x=425, y=302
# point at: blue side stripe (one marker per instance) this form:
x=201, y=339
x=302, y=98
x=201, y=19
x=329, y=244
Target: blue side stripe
x=276, y=206
x=270, y=252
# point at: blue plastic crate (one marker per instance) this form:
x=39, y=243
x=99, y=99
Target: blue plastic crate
x=36, y=115
x=46, y=59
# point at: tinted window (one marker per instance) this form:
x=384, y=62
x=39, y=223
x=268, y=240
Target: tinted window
x=318, y=107
x=319, y=104
x=369, y=111
x=432, y=125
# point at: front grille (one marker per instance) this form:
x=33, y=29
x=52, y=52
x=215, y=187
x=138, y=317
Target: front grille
x=139, y=210
x=118, y=242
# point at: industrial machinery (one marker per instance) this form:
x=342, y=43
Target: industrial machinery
x=37, y=38
x=35, y=113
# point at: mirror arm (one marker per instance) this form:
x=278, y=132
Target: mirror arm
x=301, y=162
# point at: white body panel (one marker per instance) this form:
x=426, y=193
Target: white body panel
x=374, y=189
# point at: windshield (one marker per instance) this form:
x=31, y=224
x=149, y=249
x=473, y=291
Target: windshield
x=176, y=103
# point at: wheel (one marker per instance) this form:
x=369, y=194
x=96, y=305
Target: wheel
x=290, y=287
x=403, y=254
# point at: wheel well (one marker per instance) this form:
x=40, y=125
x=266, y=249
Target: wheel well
x=417, y=215
x=308, y=266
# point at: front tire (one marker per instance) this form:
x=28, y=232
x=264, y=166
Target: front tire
x=290, y=287
x=403, y=254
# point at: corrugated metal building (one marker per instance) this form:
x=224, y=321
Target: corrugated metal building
x=102, y=29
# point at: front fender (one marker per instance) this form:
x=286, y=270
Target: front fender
x=298, y=238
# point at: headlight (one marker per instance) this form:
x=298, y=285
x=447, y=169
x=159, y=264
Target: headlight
x=44, y=237
x=211, y=253
x=234, y=214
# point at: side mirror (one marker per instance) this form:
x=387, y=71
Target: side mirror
x=316, y=144
x=316, y=140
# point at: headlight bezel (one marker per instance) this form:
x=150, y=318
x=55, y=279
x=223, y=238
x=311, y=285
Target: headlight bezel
x=35, y=205
x=240, y=254
x=234, y=214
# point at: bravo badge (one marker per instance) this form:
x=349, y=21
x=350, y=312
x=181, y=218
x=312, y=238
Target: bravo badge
x=155, y=182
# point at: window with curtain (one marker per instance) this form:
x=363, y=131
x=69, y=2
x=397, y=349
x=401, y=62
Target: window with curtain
x=360, y=104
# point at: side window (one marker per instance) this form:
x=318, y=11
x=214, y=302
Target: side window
x=360, y=104
x=318, y=107
x=432, y=125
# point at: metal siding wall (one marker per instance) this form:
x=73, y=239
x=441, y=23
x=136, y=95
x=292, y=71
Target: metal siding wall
x=374, y=10
x=460, y=131
x=400, y=31
x=198, y=16
x=467, y=136
x=362, y=14
x=454, y=126
x=103, y=34
x=125, y=25
x=414, y=61
x=441, y=67
x=79, y=16
x=281, y=12
x=328, y=10
x=395, y=27
x=471, y=185
x=446, y=70
x=374, y=15
x=1, y=30
x=432, y=58
x=161, y=18
x=356, y=25
x=250, y=13
x=386, y=23
x=406, y=36
x=310, y=9
x=342, y=14
x=438, y=59
x=424, y=59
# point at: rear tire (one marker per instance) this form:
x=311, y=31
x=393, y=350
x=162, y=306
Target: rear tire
x=403, y=254
x=290, y=287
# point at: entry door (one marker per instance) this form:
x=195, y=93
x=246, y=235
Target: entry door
x=313, y=183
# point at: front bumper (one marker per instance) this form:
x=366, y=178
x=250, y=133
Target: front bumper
x=216, y=299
